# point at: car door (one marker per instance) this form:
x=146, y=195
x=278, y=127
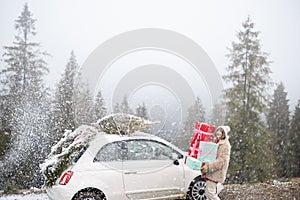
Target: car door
x=106, y=171
x=150, y=172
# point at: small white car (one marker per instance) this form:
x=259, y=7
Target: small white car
x=139, y=166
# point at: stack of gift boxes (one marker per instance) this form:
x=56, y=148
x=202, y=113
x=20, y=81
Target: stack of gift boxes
x=203, y=147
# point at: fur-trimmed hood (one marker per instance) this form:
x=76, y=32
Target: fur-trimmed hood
x=226, y=131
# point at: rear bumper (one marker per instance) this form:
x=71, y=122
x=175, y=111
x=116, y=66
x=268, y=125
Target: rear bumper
x=59, y=192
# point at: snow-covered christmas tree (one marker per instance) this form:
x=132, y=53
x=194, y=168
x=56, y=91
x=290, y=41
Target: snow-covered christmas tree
x=66, y=151
x=124, y=124
x=73, y=144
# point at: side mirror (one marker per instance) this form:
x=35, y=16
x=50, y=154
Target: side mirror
x=176, y=162
x=175, y=158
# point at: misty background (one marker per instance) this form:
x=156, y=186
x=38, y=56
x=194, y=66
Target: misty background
x=82, y=26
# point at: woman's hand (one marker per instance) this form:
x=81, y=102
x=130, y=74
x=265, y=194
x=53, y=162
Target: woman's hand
x=204, y=169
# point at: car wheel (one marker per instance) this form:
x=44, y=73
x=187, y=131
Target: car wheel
x=89, y=194
x=196, y=189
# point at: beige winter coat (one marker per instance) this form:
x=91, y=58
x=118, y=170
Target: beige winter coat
x=218, y=168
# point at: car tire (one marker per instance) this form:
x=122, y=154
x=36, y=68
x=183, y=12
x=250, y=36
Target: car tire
x=89, y=194
x=196, y=189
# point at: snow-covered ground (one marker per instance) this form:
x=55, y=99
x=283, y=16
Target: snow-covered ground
x=25, y=197
x=269, y=190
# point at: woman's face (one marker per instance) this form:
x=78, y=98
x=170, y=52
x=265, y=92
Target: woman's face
x=219, y=134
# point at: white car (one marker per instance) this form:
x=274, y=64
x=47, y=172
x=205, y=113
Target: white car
x=140, y=166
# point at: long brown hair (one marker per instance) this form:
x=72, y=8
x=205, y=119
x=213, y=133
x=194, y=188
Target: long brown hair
x=223, y=133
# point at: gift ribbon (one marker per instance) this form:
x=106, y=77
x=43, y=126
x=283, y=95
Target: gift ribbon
x=202, y=132
x=207, y=153
x=194, y=148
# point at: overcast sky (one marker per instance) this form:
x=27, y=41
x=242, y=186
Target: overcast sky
x=82, y=26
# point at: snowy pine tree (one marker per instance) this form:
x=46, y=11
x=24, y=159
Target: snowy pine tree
x=5, y=133
x=116, y=108
x=73, y=103
x=63, y=113
x=83, y=104
x=124, y=106
x=141, y=111
x=99, y=110
x=278, y=122
x=218, y=114
x=27, y=102
x=123, y=124
x=292, y=146
x=195, y=113
x=246, y=99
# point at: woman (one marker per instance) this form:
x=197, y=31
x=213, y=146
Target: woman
x=215, y=171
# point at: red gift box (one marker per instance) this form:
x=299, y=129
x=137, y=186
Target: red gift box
x=204, y=136
x=194, y=149
x=205, y=127
x=202, y=132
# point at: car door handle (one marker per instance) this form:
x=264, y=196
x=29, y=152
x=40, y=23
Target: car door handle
x=130, y=172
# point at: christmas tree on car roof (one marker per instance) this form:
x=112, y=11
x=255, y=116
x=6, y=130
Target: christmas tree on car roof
x=124, y=124
x=73, y=144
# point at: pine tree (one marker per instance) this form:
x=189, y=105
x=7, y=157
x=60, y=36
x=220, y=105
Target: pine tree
x=73, y=103
x=5, y=133
x=5, y=129
x=5, y=111
x=218, y=114
x=5, y=138
x=292, y=146
x=25, y=66
x=99, y=109
x=124, y=107
x=83, y=103
x=116, y=108
x=26, y=100
x=249, y=78
x=63, y=114
x=141, y=111
x=195, y=113
x=278, y=123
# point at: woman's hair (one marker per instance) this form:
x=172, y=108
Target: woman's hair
x=223, y=133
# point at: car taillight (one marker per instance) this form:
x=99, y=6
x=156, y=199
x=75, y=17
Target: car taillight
x=65, y=178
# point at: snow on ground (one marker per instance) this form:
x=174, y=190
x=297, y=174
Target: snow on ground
x=25, y=197
x=269, y=190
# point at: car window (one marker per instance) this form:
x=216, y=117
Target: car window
x=110, y=152
x=79, y=154
x=148, y=150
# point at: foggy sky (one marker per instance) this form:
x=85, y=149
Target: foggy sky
x=82, y=26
